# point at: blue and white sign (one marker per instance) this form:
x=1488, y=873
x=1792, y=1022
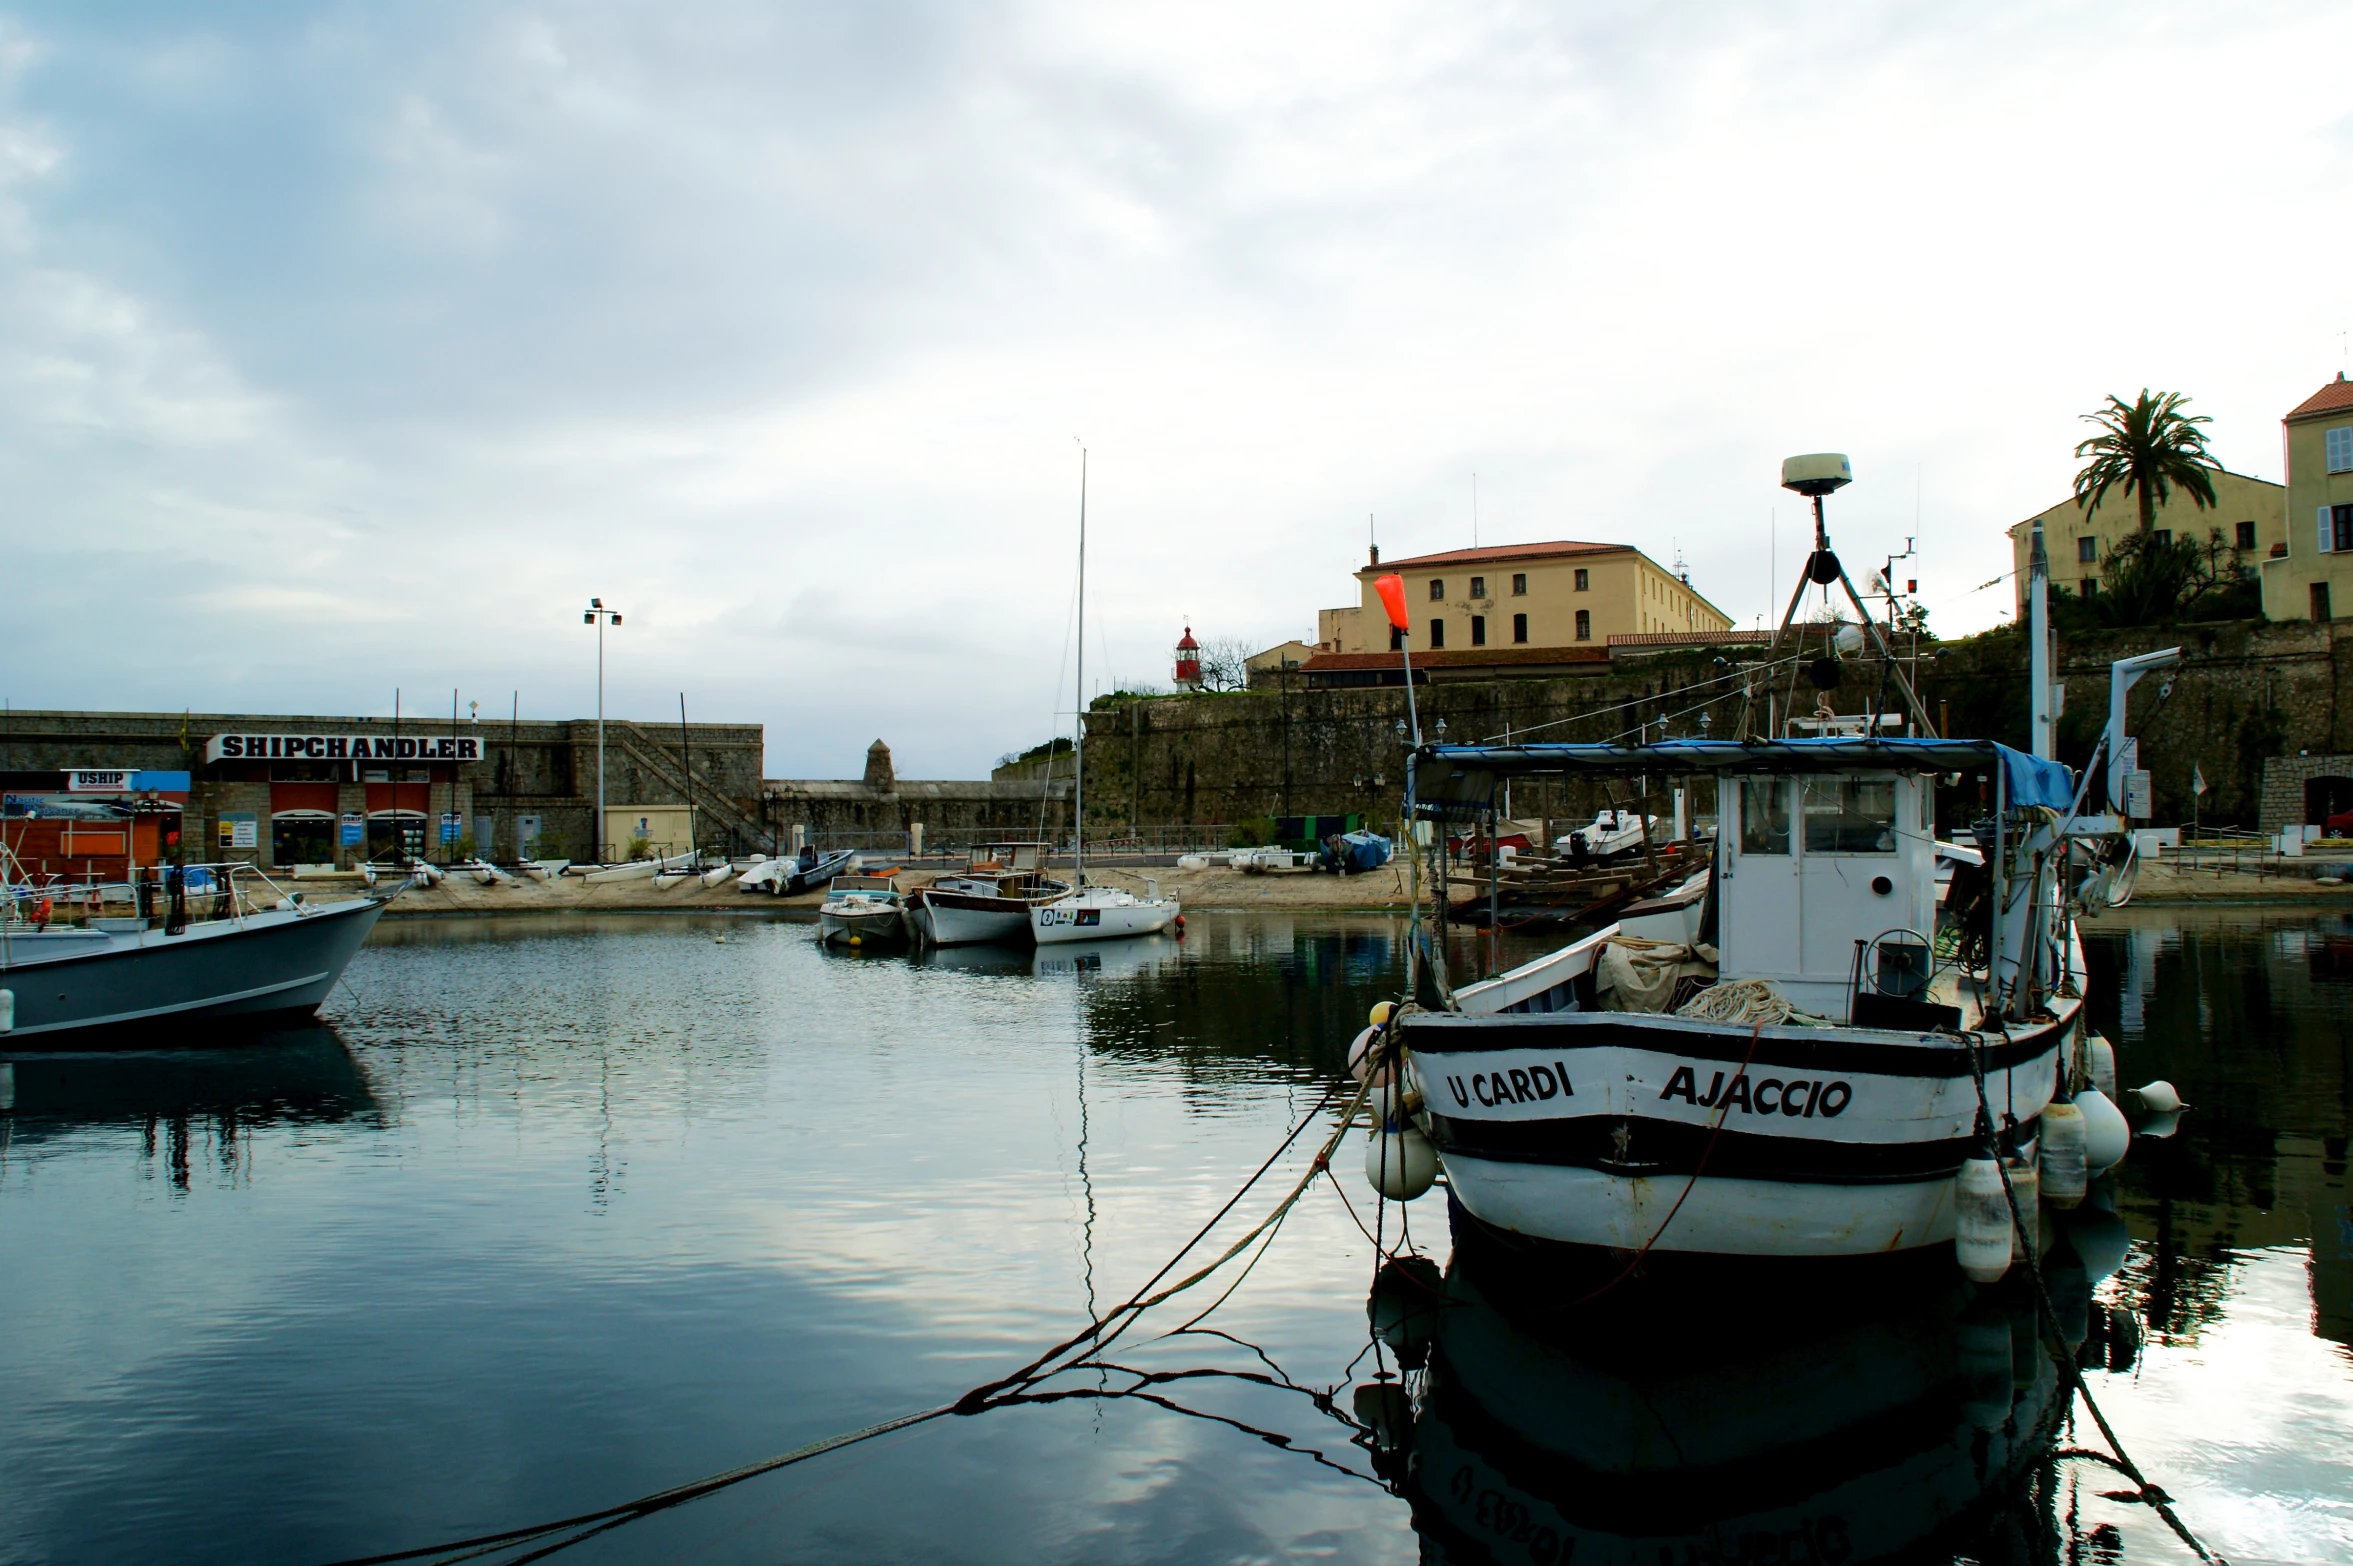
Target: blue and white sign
x=355, y=829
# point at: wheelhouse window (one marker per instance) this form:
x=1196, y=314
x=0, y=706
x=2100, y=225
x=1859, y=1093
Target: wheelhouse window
x=1764, y=816
x=1849, y=815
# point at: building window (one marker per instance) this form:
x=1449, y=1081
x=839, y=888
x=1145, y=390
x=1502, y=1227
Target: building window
x=1478, y=587
x=1396, y=638
x=2087, y=587
x=302, y=838
x=2340, y=449
x=1582, y=581
x=2340, y=529
x=1584, y=622
x=1478, y=630
x=1519, y=627
x=2320, y=608
x=2087, y=550
x=1519, y=584
x=2162, y=535
x=1437, y=589
x=1437, y=634
x=2246, y=539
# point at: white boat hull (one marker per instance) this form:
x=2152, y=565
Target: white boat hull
x=1075, y=920
x=956, y=923
x=1587, y=1128
x=880, y=926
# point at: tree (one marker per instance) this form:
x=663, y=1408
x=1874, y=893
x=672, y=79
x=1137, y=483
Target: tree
x=2147, y=580
x=2150, y=449
x=1225, y=663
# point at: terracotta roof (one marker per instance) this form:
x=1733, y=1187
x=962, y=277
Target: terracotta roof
x=2335, y=397
x=1458, y=658
x=1552, y=551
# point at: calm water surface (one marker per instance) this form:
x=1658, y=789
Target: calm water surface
x=557, y=1213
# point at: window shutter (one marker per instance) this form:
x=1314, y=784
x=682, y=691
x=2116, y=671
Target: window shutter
x=2328, y=530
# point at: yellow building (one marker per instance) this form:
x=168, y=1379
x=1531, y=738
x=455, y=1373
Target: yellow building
x=1525, y=608
x=2251, y=514
x=2311, y=575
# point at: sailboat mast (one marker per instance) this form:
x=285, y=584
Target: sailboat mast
x=1078, y=808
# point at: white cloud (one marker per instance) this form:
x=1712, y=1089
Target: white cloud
x=776, y=324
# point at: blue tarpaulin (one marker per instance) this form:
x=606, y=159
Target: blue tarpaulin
x=2031, y=781
x=1362, y=851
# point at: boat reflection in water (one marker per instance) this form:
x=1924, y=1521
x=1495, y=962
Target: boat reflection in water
x=300, y=1076
x=1809, y=1429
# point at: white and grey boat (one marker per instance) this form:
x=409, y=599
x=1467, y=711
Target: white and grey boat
x=142, y=982
x=862, y=910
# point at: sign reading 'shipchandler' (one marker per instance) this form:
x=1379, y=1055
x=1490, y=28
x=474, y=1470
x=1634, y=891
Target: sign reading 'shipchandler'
x=342, y=747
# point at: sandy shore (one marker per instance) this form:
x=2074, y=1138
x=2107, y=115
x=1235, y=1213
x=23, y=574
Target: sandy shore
x=1383, y=890
x=1217, y=888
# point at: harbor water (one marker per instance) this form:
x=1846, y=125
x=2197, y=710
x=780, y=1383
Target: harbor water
x=552, y=1213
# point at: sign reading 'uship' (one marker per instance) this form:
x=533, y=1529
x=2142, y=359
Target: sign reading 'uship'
x=342, y=747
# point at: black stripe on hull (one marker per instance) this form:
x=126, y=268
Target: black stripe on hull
x=1851, y=1051
x=1633, y=1147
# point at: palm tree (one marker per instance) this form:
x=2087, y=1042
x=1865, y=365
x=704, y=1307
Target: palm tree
x=2151, y=448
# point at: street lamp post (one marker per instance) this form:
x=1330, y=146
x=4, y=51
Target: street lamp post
x=598, y=615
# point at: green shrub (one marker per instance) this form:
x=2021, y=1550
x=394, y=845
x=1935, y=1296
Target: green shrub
x=1256, y=832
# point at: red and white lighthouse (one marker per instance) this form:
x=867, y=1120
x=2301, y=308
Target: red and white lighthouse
x=1188, y=662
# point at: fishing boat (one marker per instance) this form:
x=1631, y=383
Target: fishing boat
x=1877, y=1425
x=862, y=910
x=1811, y=1074
x=1095, y=913
x=213, y=967
x=989, y=901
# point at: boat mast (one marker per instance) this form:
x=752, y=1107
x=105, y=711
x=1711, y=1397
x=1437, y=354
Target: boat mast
x=2042, y=737
x=1078, y=794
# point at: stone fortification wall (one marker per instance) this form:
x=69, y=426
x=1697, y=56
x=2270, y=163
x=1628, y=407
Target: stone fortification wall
x=880, y=805
x=2247, y=692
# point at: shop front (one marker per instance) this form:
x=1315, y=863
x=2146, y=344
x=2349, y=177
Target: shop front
x=89, y=824
x=332, y=798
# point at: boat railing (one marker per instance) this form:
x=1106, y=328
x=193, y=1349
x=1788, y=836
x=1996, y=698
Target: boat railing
x=209, y=892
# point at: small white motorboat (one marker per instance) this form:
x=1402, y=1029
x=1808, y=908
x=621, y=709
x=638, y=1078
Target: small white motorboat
x=862, y=910
x=1609, y=834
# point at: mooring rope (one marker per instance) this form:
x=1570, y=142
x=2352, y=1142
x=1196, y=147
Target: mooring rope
x=1100, y=1333
x=2150, y=1495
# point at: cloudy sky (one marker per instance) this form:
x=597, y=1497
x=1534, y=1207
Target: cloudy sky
x=352, y=348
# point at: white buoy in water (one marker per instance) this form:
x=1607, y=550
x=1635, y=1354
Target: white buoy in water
x=2106, y=1133
x=2027, y=1187
x=2100, y=1239
x=1400, y=1164
x=2060, y=1147
x=1985, y=1367
x=2158, y=1098
x=1981, y=1230
x=2103, y=1066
